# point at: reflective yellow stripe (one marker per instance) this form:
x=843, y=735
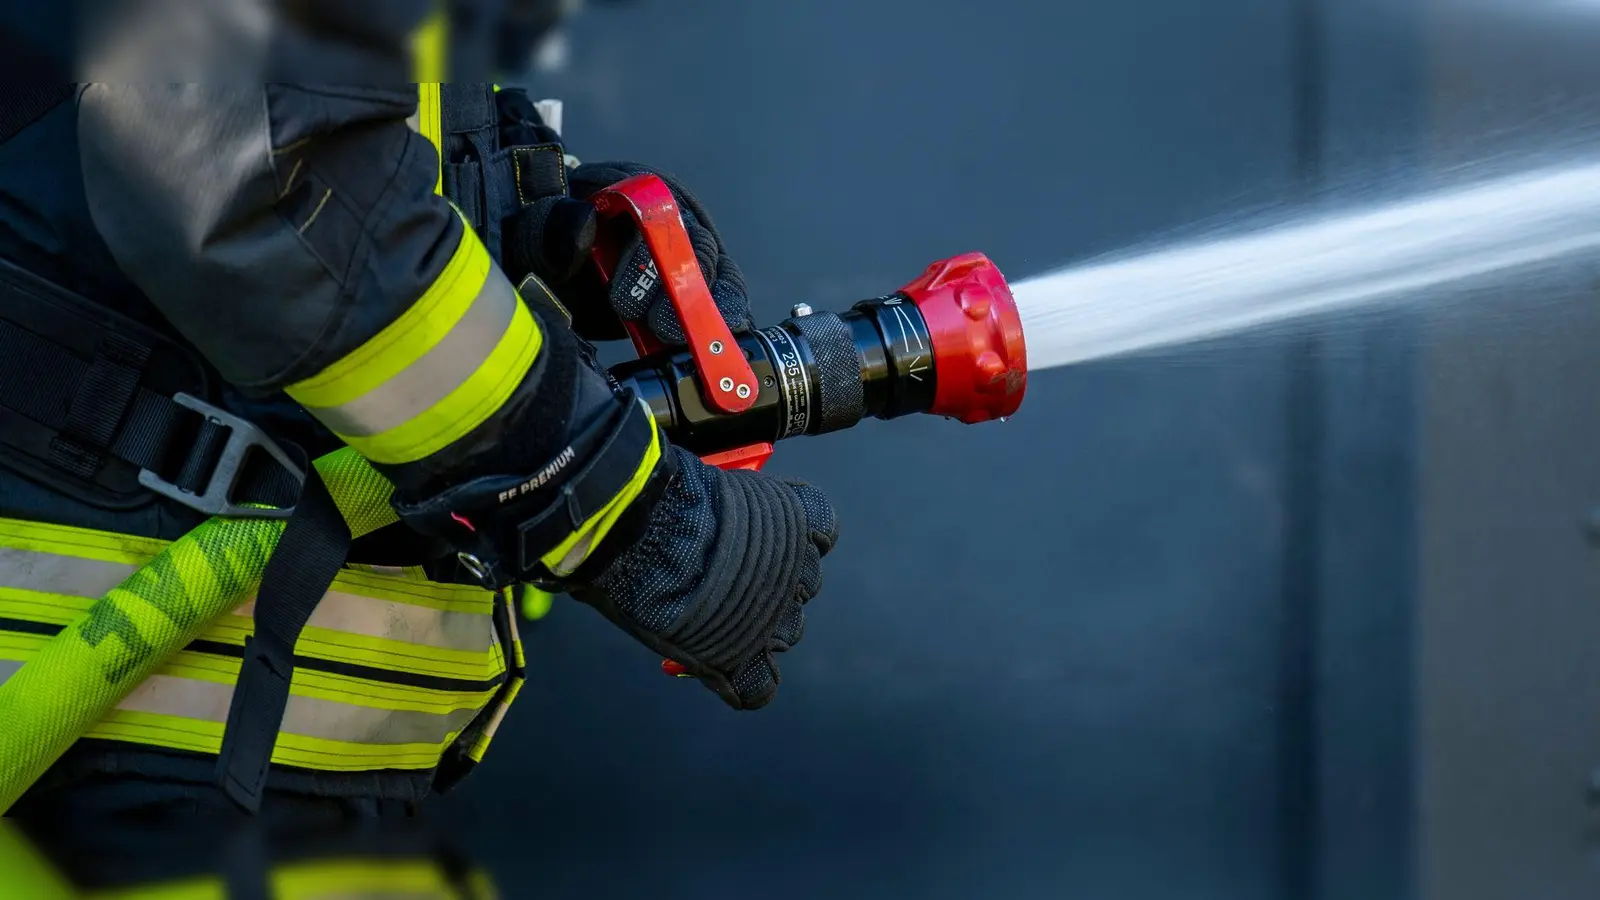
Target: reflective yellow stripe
x=349, y=613
x=482, y=660
x=480, y=746
x=435, y=373
x=412, y=879
x=16, y=649
x=79, y=543
x=195, y=736
x=429, y=122
x=205, y=887
x=202, y=694
x=395, y=624
x=402, y=623
x=334, y=879
x=429, y=47
x=571, y=553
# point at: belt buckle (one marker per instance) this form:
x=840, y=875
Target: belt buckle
x=217, y=497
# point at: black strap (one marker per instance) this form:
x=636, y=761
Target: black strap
x=97, y=408
x=23, y=103
x=314, y=545
x=622, y=440
x=466, y=106
x=538, y=172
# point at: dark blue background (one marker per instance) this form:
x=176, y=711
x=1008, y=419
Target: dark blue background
x=1154, y=637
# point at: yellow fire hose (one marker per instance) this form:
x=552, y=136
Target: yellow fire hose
x=85, y=671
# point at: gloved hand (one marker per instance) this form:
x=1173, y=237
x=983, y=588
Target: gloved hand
x=552, y=239
x=708, y=568
x=720, y=579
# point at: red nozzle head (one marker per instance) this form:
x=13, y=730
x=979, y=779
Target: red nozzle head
x=980, y=361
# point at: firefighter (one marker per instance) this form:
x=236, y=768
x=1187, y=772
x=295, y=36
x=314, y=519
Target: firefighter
x=209, y=281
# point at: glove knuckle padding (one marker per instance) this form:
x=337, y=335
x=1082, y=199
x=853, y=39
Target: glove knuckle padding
x=754, y=569
x=756, y=682
x=821, y=519
x=791, y=628
x=719, y=575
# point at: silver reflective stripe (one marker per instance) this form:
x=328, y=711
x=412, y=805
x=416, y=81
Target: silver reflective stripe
x=339, y=610
x=374, y=617
x=8, y=668
x=420, y=386
x=305, y=716
x=575, y=557
x=53, y=573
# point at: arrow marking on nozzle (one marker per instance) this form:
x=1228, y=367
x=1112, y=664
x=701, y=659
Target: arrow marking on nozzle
x=905, y=321
x=914, y=370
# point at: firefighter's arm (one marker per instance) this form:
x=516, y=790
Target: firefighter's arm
x=295, y=236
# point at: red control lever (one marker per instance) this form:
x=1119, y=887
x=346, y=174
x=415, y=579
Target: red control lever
x=727, y=382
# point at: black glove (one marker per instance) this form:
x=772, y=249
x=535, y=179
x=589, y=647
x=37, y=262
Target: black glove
x=552, y=239
x=719, y=581
x=708, y=568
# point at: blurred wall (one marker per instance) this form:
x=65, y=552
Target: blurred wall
x=1508, y=674
x=1155, y=636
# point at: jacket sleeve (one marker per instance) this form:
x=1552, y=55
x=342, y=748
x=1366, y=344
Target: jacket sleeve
x=295, y=234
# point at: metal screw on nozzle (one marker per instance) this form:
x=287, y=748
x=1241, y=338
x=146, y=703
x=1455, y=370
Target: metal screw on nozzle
x=726, y=384
x=716, y=347
x=800, y=309
x=743, y=391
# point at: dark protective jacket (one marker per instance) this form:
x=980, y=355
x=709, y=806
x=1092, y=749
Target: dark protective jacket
x=327, y=249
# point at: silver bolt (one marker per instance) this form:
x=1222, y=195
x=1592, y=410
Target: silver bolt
x=726, y=384
x=800, y=309
x=744, y=391
x=716, y=347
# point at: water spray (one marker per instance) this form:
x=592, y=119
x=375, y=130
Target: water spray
x=1330, y=264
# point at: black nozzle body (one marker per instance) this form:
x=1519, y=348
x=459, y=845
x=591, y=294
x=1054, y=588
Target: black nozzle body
x=816, y=373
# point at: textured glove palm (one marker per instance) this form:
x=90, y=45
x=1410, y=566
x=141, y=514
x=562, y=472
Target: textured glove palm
x=721, y=577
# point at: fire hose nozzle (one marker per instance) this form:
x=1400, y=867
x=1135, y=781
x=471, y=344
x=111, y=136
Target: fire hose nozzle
x=975, y=330
x=949, y=343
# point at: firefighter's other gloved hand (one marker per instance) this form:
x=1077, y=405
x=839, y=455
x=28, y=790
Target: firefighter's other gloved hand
x=719, y=581
x=552, y=239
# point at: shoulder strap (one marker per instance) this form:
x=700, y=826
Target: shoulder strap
x=110, y=413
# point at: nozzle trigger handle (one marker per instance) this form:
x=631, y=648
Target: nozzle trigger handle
x=727, y=383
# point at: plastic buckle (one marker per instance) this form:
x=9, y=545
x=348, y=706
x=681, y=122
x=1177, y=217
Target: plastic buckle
x=217, y=498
